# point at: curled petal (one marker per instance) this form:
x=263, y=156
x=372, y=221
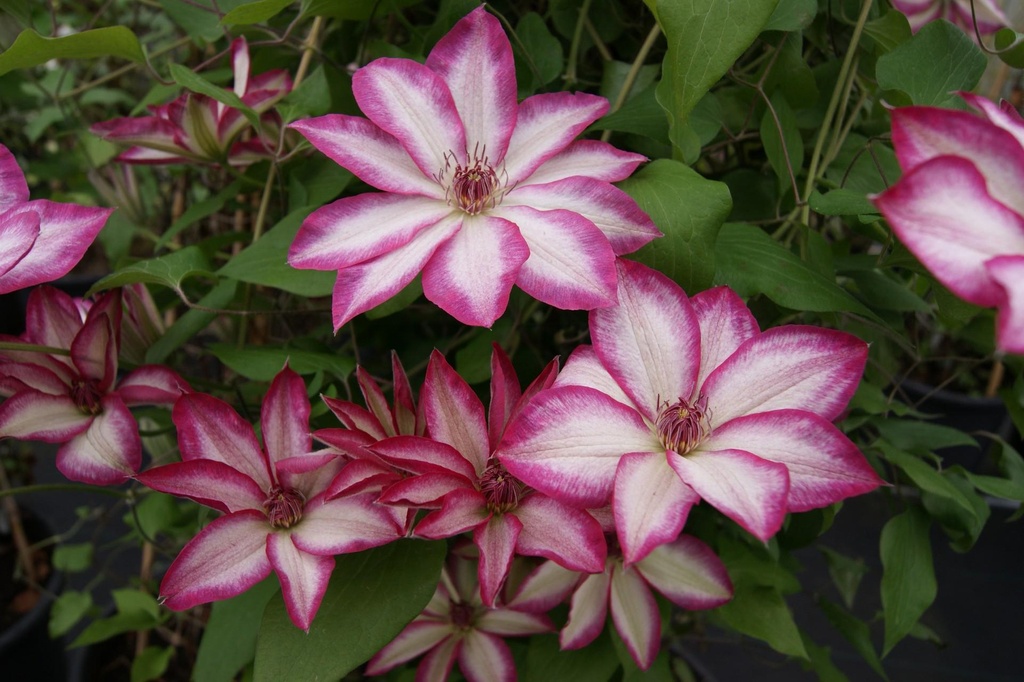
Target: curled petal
x=152, y=385
x=107, y=452
x=18, y=235
x=1008, y=272
x=33, y=415
x=13, y=188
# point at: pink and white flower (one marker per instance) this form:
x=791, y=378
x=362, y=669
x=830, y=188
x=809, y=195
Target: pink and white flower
x=40, y=240
x=989, y=14
x=959, y=206
x=454, y=473
x=681, y=399
x=457, y=626
x=277, y=514
x=686, y=571
x=479, y=192
x=196, y=127
x=76, y=399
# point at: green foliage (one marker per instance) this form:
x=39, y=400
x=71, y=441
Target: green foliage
x=229, y=640
x=908, y=580
x=930, y=67
x=31, y=49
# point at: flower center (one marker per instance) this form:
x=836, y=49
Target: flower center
x=475, y=187
x=501, y=490
x=682, y=425
x=463, y=616
x=86, y=395
x=284, y=507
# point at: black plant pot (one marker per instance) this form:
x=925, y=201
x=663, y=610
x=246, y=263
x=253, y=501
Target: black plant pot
x=27, y=653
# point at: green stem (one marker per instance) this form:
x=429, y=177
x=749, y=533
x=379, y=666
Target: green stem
x=833, y=105
x=51, y=487
x=574, y=47
x=634, y=72
x=33, y=348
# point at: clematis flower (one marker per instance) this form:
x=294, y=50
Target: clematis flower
x=277, y=516
x=958, y=206
x=686, y=571
x=989, y=14
x=478, y=191
x=681, y=399
x=454, y=473
x=196, y=127
x=76, y=399
x=456, y=626
x=40, y=240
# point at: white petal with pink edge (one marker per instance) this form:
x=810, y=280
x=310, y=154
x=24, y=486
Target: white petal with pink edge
x=357, y=229
x=568, y=441
x=470, y=276
x=1002, y=114
x=496, y=540
x=1008, y=273
x=107, y=452
x=240, y=65
x=345, y=524
x=419, y=455
x=824, y=466
x=309, y=473
x=13, y=188
x=610, y=209
x=412, y=103
x=650, y=341
x=546, y=587
x=461, y=510
x=650, y=503
x=486, y=658
x=635, y=614
x=18, y=234
x=507, y=622
x=208, y=428
x=303, y=577
x=749, y=490
x=588, y=159
x=438, y=663
x=214, y=484
x=284, y=417
x=942, y=211
x=546, y=125
x=374, y=156
x=571, y=265
x=584, y=368
x=561, y=533
x=361, y=287
x=425, y=490
x=725, y=323
x=688, y=573
x=475, y=60
x=791, y=367
x=587, y=612
x=151, y=385
x=228, y=557
x=32, y=415
x=454, y=413
x=416, y=638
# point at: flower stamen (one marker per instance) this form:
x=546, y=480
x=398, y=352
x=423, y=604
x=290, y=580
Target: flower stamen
x=283, y=507
x=501, y=490
x=86, y=395
x=475, y=187
x=682, y=425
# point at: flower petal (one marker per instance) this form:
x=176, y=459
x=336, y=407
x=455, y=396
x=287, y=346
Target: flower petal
x=546, y=124
x=1008, y=272
x=486, y=658
x=564, y=534
x=361, y=287
x=303, y=577
x=635, y=614
x=944, y=214
x=419, y=455
x=425, y=490
x=470, y=276
x=32, y=415
x=544, y=588
x=437, y=664
x=568, y=440
x=107, y=452
x=475, y=60
x=588, y=159
x=151, y=385
x=614, y=212
x=496, y=540
x=357, y=229
x=372, y=155
x=18, y=233
x=650, y=503
x=284, y=417
x=505, y=393
x=461, y=510
x=588, y=612
x=795, y=366
x=228, y=557
x=454, y=413
x=13, y=188
x=725, y=323
x=507, y=622
x=650, y=341
x=571, y=265
x=360, y=420
x=584, y=368
x=824, y=466
x=749, y=490
x=688, y=573
x=346, y=524
x=208, y=482
x=416, y=638
x=412, y=103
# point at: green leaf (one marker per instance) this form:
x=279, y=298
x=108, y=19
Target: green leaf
x=927, y=478
x=200, y=18
x=229, y=639
x=73, y=558
x=151, y=663
x=135, y=611
x=541, y=49
x=761, y=612
x=641, y=115
x=197, y=211
x=930, y=67
x=372, y=596
x=846, y=573
x=263, y=363
x=792, y=15
x=842, y=202
x=188, y=78
x=753, y=263
x=889, y=30
x=255, y=12
x=689, y=209
x=316, y=181
x=782, y=142
x=169, y=271
x=884, y=293
x=908, y=577
x=31, y=49
x=67, y=610
x=705, y=37
x=596, y=662
x=962, y=526
x=311, y=98
x=193, y=321
x=264, y=262
x=19, y=9
x=912, y=434
x=855, y=631
x=1010, y=46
